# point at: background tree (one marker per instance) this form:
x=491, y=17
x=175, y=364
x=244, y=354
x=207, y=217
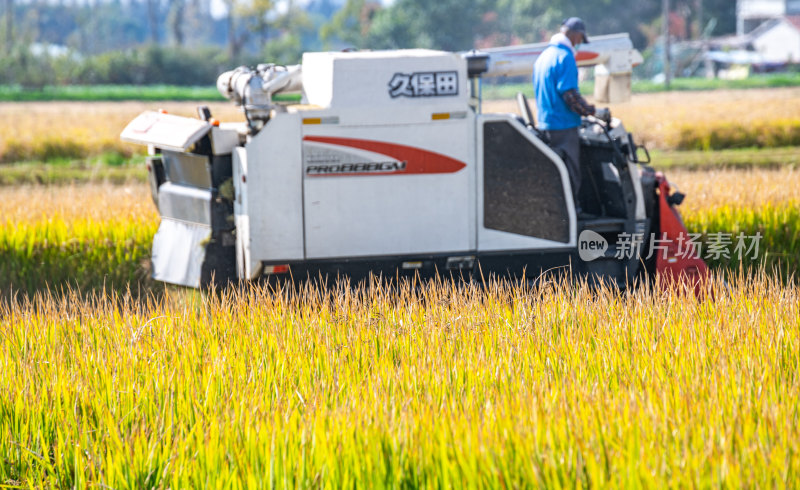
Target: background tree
x=153, y=18
x=9, y=24
x=234, y=44
x=256, y=15
x=424, y=24
x=116, y=41
x=294, y=31
x=351, y=24
x=176, y=19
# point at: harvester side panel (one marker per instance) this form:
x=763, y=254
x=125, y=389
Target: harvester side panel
x=369, y=192
x=273, y=194
x=179, y=252
x=245, y=267
x=405, y=79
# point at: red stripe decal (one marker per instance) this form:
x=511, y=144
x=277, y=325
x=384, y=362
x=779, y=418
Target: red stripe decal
x=580, y=56
x=525, y=53
x=586, y=56
x=417, y=161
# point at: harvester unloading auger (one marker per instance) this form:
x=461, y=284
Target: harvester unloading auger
x=389, y=166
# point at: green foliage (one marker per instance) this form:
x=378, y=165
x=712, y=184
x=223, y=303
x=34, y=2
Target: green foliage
x=154, y=65
x=492, y=91
x=349, y=25
x=88, y=93
x=146, y=65
x=287, y=48
x=457, y=25
x=392, y=29
x=346, y=25
x=23, y=68
x=534, y=20
x=444, y=24
x=774, y=80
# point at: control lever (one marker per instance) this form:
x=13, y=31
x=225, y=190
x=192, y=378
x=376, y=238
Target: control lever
x=603, y=114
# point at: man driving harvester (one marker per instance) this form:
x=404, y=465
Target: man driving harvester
x=559, y=104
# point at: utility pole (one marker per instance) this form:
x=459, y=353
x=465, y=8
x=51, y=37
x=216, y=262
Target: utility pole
x=667, y=69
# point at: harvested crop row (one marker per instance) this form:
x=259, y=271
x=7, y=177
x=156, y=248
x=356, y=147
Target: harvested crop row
x=560, y=386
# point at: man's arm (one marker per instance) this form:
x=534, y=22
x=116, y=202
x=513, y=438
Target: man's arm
x=577, y=103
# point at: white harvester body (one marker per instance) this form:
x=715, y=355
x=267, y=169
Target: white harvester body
x=387, y=165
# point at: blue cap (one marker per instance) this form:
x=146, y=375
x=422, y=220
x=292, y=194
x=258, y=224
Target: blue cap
x=577, y=25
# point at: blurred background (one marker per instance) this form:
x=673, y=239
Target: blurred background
x=189, y=42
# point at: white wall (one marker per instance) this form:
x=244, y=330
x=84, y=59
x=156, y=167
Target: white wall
x=761, y=8
x=780, y=44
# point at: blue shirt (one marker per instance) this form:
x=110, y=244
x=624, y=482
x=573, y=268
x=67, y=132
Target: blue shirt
x=555, y=72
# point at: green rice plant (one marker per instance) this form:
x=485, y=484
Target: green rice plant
x=778, y=225
x=430, y=385
x=72, y=172
x=726, y=135
x=740, y=158
x=54, y=148
x=83, y=254
x=42, y=150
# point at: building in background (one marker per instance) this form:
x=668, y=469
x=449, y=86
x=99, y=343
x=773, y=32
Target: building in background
x=777, y=40
x=768, y=35
x=750, y=14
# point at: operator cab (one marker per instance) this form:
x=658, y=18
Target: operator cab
x=613, y=184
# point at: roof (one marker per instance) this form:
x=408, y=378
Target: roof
x=763, y=28
x=767, y=25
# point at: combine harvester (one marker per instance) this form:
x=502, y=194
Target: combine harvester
x=388, y=166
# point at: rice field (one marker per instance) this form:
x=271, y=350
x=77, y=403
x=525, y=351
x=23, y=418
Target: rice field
x=42, y=131
x=706, y=120
x=74, y=130
x=87, y=237
x=418, y=386
x=110, y=380
x=431, y=386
